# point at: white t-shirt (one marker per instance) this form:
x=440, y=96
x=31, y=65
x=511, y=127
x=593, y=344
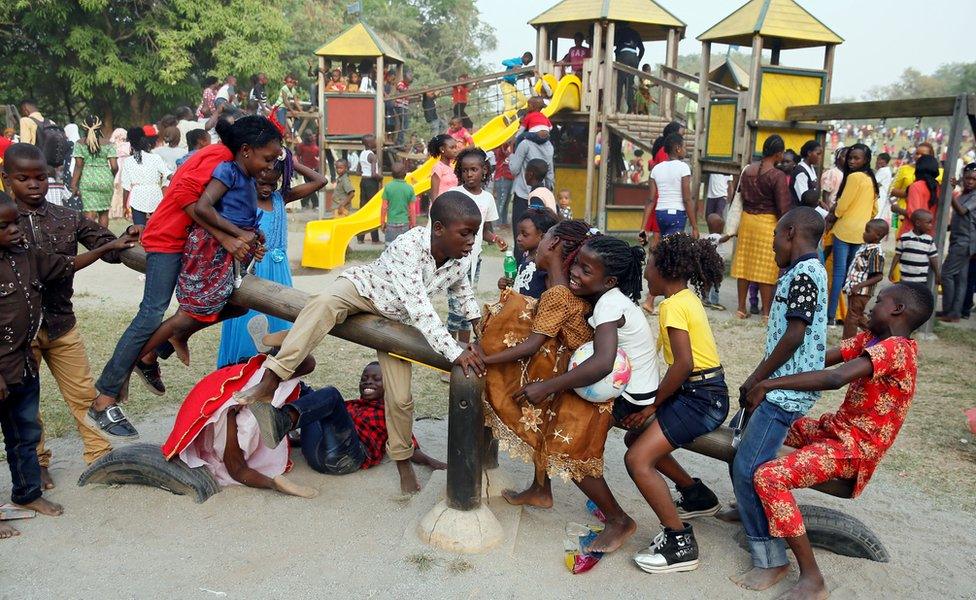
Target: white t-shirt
x=489, y=213
x=634, y=337
x=667, y=175
x=718, y=185
x=223, y=93
x=364, y=164
x=170, y=155
x=803, y=183
x=144, y=181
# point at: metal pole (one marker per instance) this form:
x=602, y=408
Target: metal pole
x=592, y=92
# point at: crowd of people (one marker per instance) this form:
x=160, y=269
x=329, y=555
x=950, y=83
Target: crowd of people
x=210, y=211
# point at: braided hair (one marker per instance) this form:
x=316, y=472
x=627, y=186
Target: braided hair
x=93, y=127
x=472, y=151
x=435, y=147
x=927, y=170
x=620, y=260
x=866, y=169
x=286, y=168
x=681, y=257
x=572, y=233
x=139, y=142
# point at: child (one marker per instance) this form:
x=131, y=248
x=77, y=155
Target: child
x=795, y=343
x=238, y=336
x=58, y=193
x=534, y=126
x=397, y=214
x=636, y=166
x=606, y=272
x=715, y=237
x=445, y=149
x=915, y=251
x=399, y=285
x=143, y=176
x=344, y=191
x=459, y=98
x=811, y=199
x=309, y=154
x=691, y=400
x=880, y=365
x=962, y=239
x=540, y=196
x=371, y=178
x=867, y=270
x=670, y=183
x=429, y=106
x=530, y=280
x=457, y=130
x=23, y=269
x=565, y=205
x=471, y=169
x=225, y=239
x=196, y=139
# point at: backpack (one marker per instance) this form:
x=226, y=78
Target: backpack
x=52, y=141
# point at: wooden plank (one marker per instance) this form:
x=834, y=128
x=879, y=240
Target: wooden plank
x=880, y=109
x=656, y=80
x=717, y=87
x=767, y=124
x=491, y=78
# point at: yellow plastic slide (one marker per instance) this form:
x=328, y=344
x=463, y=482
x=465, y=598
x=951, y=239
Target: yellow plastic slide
x=326, y=240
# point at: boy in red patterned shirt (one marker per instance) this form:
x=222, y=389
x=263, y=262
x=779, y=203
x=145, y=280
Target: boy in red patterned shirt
x=880, y=365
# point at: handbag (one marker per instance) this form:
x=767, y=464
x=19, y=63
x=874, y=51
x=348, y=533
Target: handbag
x=735, y=209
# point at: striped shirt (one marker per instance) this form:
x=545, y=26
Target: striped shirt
x=914, y=253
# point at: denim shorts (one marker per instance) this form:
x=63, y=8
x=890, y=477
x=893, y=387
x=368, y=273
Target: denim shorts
x=695, y=409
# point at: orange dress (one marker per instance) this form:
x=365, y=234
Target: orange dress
x=563, y=435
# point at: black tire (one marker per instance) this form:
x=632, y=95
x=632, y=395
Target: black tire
x=144, y=464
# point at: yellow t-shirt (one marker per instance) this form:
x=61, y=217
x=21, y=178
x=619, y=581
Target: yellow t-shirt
x=855, y=207
x=685, y=311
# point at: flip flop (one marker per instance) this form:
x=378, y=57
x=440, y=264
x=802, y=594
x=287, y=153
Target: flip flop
x=741, y=314
x=650, y=311
x=12, y=512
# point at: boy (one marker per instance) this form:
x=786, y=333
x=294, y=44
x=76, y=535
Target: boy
x=962, y=246
x=867, y=270
x=457, y=130
x=459, y=100
x=565, y=205
x=715, y=237
x=344, y=191
x=880, y=365
x=534, y=126
x=21, y=267
x=398, y=285
x=795, y=341
x=884, y=176
x=915, y=251
x=719, y=194
x=397, y=216
x=512, y=98
x=308, y=155
x=196, y=139
x=540, y=196
x=54, y=229
x=371, y=177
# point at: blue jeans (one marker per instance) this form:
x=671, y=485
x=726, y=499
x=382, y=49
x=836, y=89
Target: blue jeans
x=762, y=438
x=162, y=271
x=671, y=221
x=455, y=320
x=843, y=253
x=503, y=193
x=713, y=297
x=694, y=410
x=330, y=443
x=21, y=426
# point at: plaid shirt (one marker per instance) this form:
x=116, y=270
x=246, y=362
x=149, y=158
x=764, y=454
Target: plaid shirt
x=369, y=418
x=867, y=261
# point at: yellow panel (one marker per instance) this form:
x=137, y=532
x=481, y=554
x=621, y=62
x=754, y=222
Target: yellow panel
x=721, y=130
x=574, y=180
x=625, y=221
x=780, y=91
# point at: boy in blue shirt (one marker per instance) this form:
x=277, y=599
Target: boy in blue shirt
x=511, y=96
x=796, y=342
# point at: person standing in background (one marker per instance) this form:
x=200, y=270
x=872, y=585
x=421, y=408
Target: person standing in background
x=503, y=179
x=628, y=49
x=719, y=194
x=371, y=178
x=95, y=167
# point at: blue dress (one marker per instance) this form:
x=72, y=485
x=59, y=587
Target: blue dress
x=235, y=341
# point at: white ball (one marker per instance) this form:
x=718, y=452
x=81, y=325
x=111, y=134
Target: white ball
x=609, y=387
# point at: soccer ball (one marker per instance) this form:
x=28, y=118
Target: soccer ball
x=610, y=386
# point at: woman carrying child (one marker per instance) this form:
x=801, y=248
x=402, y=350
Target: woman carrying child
x=445, y=149
x=238, y=336
x=692, y=398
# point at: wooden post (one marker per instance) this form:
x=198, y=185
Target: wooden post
x=380, y=125
x=670, y=60
x=320, y=78
x=610, y=79
x=752, y=109
x=701, y=120
x=592, y=91
x=608, y=109
x=829, y=68
x=542, y=48
x=959, y=120
x=465, y=441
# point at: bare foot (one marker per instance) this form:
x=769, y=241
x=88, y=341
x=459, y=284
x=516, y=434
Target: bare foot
x=757, y=579
x=181, y=348
x=47, y=482
x=287, y=486
x=730, y=514
x=45, y=507
x=6, y=531
x=536, y=495
x=613, y=535
x=807, y=588
x=408, y=479
x=262, y=392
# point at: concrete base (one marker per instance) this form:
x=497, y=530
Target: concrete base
x=495, y=481
x=467, y=531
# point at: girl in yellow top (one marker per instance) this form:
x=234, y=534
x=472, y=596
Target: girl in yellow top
x=692, y=399
x=856, y=205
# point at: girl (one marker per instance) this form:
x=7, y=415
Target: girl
x=335, y=82
x=670, y=184
x=354, y=81
x=530, y=279
x=804, y=176
x=144, y=176
x=923, y=193
x=691, y=400
x=94, y=174
x=854, y=208
x=225, y=237
x=239, y=337
x=457, y=130
x=442, y=178
x=123, y=151
x=607, y=273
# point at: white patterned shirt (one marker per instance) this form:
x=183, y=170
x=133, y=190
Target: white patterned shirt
x=402, y=281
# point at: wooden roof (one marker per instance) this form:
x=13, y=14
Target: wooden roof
x=730, y=74
x=359, y=41
x=784, y=23
x=647, y=17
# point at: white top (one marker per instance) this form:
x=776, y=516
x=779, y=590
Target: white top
x=170, y=156
x=803, y=183
x=223, y=92
x=634, y=337
x=718, y=185
x=57, y=193
x=144, y=181
x=489, y=213
x=667, y=175
x=186, y=127
x=365, y=168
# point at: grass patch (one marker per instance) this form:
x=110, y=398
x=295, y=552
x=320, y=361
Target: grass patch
x=423, y=562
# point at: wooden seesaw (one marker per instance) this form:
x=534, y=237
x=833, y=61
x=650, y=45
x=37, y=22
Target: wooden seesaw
x=461, y=522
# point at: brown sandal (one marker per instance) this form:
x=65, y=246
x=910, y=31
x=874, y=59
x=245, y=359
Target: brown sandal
x=741, y=314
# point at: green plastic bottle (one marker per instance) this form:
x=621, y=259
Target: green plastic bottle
x=511, y=267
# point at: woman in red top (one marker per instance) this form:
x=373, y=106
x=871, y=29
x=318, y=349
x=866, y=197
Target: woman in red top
x=924, y=193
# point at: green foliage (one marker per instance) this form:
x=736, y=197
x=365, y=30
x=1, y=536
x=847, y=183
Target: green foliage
x=949, y=79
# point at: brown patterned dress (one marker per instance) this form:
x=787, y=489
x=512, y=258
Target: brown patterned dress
x=562, y=436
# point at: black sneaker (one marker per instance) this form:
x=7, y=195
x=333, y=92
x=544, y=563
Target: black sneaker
x=274, y=423
x=111, y=424
x=672, y=551
x=697, y=501
x=151, y=376
x=754, y=308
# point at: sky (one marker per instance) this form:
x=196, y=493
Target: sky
x=877, y=46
